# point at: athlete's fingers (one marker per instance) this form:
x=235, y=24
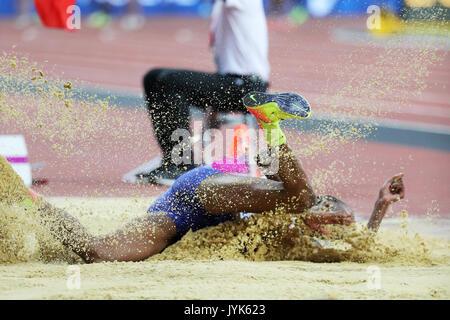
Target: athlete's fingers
x=398, y=176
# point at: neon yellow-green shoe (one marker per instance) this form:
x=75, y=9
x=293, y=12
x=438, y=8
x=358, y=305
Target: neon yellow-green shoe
x=274, y=107
x=270, y=109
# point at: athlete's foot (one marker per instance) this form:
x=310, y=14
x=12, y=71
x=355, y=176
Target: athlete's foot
x=271, y=108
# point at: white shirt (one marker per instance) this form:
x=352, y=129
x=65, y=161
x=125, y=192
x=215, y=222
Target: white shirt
x=239, y=37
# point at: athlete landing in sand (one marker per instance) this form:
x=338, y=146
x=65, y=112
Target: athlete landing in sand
x=205, y=197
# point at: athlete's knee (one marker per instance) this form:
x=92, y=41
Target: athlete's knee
x=98, y=257
x=93, y=257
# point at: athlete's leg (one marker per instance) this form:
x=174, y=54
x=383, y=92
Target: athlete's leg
x=223, y=193
x=226, y=193
x=137, y=240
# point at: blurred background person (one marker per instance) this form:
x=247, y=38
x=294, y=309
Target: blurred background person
x=25, y=15
x=239, y=40
x=101, y=17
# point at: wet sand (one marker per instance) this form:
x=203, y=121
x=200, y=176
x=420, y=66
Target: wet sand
x=161, y=277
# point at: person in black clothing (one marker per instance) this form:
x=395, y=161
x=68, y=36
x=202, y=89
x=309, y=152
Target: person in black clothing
x=170, y=94
x=240, y=43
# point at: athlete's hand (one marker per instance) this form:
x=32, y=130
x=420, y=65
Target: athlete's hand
x=393, y=189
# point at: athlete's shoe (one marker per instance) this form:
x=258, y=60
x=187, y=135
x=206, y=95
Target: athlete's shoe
x=271, y=108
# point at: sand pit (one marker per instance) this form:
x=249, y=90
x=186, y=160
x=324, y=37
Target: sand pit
x=420, y=270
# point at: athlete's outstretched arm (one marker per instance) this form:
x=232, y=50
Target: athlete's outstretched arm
x=392, y=191
x=226, y=193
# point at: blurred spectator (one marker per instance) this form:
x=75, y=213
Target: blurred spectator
x=239, y=41
x=283, y=7
x=102, y=17
x=279, y=7
x=133, y=19
x=25, y=16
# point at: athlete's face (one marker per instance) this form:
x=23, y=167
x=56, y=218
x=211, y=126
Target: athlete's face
x=328, y=210
x=331, y=205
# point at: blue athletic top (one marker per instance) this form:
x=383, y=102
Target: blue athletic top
x=181, y=203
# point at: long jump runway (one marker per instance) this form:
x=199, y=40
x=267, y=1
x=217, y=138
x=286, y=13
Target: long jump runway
x=412, y=114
